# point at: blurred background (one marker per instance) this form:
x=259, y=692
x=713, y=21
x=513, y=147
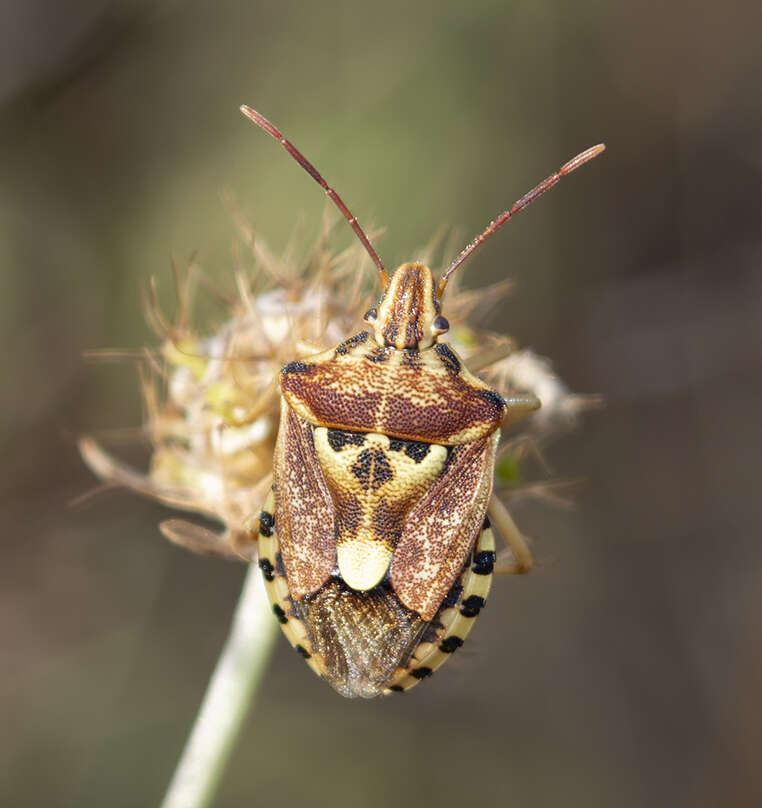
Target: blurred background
x=626, y=670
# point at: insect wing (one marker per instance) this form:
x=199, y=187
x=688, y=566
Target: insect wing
x=304, y=510
x=440, y=530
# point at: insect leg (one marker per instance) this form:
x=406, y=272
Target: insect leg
x=517, y=544
x=519, y=406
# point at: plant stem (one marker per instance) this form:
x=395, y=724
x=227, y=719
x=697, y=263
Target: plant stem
x=227, y=699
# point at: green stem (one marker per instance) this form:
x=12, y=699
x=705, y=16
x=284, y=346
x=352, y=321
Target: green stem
x=227, y=699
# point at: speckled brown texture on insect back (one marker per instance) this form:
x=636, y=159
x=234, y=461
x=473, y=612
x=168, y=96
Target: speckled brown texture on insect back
x=384, y=469
x=425, y=396
x=304, y=509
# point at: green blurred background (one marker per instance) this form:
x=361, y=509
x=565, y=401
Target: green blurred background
x=626, y=670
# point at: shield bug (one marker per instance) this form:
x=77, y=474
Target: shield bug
x=375, y=542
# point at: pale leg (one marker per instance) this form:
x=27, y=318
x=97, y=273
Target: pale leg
x=503, y=522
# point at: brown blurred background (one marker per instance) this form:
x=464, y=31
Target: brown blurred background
x=626, y=670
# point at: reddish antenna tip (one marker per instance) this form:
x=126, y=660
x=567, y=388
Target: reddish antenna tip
x=581, y=159
x=273, y=131
x=519, y=205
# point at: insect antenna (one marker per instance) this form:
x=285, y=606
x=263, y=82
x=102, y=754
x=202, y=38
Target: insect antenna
x=273, y=130
x=525, y=200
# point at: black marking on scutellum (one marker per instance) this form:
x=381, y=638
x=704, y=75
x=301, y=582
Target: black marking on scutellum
x=280, y=614
x=300, y=649
x=346, y=346
x=484, y=562
x=267, y=569
x=450, y=644
x=416, y=450
x=449, y=360
x=339, y=438
x=372, y=469
x=266, y=523
x=471, y=606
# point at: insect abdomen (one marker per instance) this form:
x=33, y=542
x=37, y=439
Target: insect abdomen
x=368, y=643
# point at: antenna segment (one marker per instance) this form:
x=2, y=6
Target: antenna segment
x=273, y=130
x=525, y=200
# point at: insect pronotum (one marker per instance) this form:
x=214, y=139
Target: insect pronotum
x=375, y=542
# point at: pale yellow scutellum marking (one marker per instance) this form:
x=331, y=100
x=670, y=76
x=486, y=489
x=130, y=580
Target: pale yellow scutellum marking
x=363, y=557
x=363, y=562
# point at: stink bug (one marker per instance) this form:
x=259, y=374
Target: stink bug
x=374, y=542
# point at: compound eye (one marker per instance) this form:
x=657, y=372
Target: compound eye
x=371, y=315
x=441, y=324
